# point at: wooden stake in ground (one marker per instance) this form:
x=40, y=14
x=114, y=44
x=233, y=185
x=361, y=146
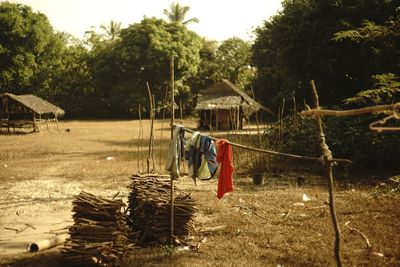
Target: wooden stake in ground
x=151, y=129
x=172, y=134
x=328, y=163
x=140, y=161
x=162, y=124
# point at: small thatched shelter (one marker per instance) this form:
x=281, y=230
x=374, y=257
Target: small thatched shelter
x=26, y=111
x=224, y=106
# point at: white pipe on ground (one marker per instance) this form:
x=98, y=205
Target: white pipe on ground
x=47, y=243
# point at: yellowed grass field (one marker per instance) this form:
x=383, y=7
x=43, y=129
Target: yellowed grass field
x=259, y=225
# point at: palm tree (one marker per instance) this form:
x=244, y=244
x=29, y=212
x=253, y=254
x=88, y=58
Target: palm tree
x=177, y=13
x=112, y=31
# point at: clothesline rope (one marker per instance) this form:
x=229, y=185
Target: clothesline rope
x=270, y=151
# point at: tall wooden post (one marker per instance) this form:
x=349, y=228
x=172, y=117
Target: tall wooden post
x=172, y=134
x=328, y=164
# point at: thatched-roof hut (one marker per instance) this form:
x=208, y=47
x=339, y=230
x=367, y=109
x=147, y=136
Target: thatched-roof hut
x=26, y=111
x=223, y=106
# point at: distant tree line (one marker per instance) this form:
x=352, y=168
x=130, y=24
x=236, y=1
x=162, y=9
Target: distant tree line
x=343, y=45
x=105, y=75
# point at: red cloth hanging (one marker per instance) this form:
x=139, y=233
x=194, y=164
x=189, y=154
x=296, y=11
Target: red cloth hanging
x=225, y=158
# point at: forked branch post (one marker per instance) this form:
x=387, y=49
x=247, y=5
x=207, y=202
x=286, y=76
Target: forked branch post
x=328, y=163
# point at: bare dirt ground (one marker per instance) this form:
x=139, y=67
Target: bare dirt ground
x=258, y=225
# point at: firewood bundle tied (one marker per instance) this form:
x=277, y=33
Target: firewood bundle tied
x=99, y=235
x=149, y=210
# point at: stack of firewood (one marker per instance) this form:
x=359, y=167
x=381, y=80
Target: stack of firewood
x=149, y=210
x=99, y=234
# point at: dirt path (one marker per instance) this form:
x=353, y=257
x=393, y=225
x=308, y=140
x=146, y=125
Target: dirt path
x=35, y=209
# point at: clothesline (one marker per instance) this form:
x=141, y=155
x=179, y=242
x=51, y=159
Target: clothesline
x=271, y=151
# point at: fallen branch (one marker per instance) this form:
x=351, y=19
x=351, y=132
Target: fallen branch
x=17, y=231
x=286, y=215
x=360, y=233
x=352, y=112
x=30, y=225
x=316, y=207
x=210, y=230
x=251, y=211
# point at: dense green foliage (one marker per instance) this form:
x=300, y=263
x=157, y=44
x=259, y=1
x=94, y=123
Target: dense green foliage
x=228, y=60
x=339, y=44
x=143, y=55
x=27, y=47
x=349, y=137
x=233, y=57
x=352, y=50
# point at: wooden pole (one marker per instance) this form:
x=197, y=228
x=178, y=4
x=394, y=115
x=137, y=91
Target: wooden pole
x=172, y=134
x=152, y=136
x=258, y=123
x=151, y=127
x=162, y=123
x=328, y=163
x=141, y=137
x=138, y=143
x=181, y=111
x=56, y=121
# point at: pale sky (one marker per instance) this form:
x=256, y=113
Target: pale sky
x=218, y=19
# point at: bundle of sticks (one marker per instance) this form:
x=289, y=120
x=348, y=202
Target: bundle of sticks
x=149, y=210
x=99, y=234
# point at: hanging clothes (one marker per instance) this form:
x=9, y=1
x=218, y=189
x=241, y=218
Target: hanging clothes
x=225, y=178
x=201, y=155
x=176, y=152
x=209, y=158
x=191, y=155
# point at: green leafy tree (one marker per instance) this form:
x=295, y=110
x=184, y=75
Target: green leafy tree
x=233, y=62
x=143, y=55
x=177, y=13
x=93, y=39
x=26, y=43
x=310, y=40
x=208, y=67
x=111, y=31
x=351, y=137
x=386, y=91
x=72, y=86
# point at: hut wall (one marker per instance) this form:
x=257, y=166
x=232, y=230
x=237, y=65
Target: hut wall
x=223, y=119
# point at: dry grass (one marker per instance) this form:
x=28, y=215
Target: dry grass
x=262, y=227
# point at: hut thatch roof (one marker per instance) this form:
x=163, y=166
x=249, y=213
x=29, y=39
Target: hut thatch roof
x=225, y=95
x=36, y=104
